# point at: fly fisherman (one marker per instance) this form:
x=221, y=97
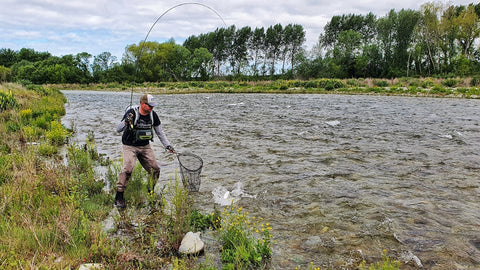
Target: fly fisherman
x=138, y=125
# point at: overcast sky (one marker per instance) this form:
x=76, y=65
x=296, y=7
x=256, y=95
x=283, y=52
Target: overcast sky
x=64, y=27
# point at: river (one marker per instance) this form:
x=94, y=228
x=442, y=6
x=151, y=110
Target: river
x=338, y=177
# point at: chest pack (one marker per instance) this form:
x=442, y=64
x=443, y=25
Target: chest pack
x=143, y=131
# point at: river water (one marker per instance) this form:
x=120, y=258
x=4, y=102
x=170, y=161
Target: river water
x=340, y=178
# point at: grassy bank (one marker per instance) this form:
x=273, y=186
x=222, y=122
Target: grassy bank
x=49, y=206
x=433, y=87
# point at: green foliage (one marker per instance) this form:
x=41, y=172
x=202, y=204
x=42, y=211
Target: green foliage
x=5, y=168
x=450, y=82
x=201, y=222
x=428, y=83
x=385, y=264
x=475, y=81
x=47, y=205
x=46, y=149
x=437, y=89
x=7, y=101
x=56, y=134
x=381, y=83
x=177, y=209
x=246, y=242
x=5, y=74
x=396, y=44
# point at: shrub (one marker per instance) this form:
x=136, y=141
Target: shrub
x=381, y=83
x=352, y=82
x=450, y=82
x=57, y=134
x=26, y=114
x=245, y=241
x=311, y=84
x=427, y=83
x=202, y=222
x=330, y=84
x=439, y=90
x=46, y=149
x=475, y=81
x=7, y=101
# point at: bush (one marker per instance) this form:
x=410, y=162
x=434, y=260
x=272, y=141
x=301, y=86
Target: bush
x=7, y=101
x=450, y=82
x=57, y=134
x=439, y=90
x=475, y=81
x=352, y=82
x=245, y=241
x=330, y=84
x=381, y=83
x=46, y=149
x=202, y=222
x=311, y=84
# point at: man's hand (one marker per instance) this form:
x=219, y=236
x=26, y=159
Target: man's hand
x=170, y=149
x=129, y=120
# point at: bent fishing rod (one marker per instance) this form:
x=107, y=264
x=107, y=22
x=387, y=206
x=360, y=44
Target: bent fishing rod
x=153, y=25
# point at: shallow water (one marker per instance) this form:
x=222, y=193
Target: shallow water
x=340, y=178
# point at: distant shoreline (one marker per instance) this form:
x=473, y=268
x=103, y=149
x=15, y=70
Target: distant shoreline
x=411, y=87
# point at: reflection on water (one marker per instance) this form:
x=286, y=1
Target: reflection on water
x=339, y=177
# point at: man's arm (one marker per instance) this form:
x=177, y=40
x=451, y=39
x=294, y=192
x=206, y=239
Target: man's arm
x=121, y=126
x=161, y=135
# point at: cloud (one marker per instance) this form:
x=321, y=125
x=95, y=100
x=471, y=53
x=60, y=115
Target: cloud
x=95, y=26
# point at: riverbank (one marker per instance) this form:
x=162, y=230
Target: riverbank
x=421, y=87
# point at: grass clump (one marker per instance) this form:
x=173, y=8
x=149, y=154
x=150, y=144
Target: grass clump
x=246, y=242
x=7, y=101
x=386, y=264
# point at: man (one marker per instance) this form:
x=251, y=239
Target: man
x=138, y=125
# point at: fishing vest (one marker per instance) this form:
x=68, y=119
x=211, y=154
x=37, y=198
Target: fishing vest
x=142, y=131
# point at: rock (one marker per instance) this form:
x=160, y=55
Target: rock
x=313, y=241
x=410, y=257
x=91, y=266
x=191, y=244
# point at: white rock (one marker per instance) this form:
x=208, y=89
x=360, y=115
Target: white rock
x=91, y=266
x=191, y=243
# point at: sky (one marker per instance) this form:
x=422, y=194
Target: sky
x=63, y=27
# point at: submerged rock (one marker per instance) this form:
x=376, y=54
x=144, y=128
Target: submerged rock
x=191, y=244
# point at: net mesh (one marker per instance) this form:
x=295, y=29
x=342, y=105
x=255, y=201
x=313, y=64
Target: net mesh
x=190, y=168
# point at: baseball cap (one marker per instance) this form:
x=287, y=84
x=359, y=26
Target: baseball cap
x=148, y=99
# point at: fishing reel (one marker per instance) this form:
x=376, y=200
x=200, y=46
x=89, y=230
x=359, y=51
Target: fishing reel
x=129, y=120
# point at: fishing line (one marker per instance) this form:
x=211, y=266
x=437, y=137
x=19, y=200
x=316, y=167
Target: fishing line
x=153, y=25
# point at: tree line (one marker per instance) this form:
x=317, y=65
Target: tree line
x=437, y=40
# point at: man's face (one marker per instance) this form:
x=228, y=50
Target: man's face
x=146, y=107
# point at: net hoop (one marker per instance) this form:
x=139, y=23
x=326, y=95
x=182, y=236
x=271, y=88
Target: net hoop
x=190, y=168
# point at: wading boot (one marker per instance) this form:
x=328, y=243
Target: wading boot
x=119, y=200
